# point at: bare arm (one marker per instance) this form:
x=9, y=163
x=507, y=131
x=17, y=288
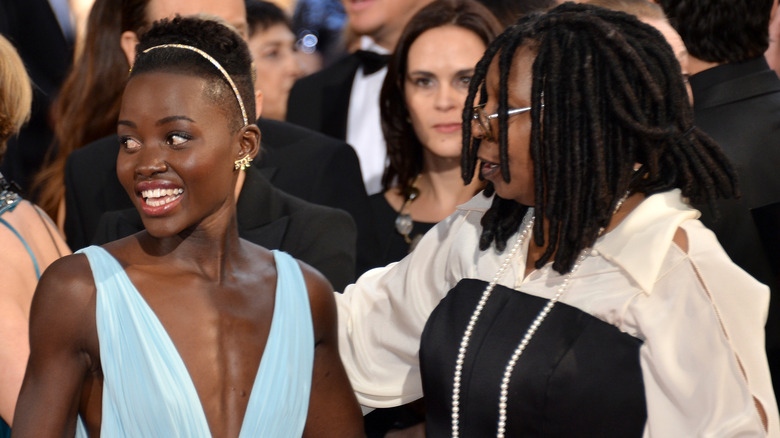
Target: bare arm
x=333, y=408
x=63, y=339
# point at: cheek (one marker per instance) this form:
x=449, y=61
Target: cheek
x=125, y=170
x=521, y=164
x=416, y=106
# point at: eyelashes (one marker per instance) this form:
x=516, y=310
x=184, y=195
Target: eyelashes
x=178, y=138
x=175, y=139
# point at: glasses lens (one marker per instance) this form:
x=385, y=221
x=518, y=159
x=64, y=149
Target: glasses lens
x=482, y=118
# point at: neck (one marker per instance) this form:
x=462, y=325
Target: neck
x=441, y=190
x=239, y=184
x=386, y=38
x=448, y=185
x=206, y=248
x=696, y=65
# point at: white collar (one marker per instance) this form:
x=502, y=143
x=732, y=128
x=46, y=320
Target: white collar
x=366, y=43
x=639, y=244
x=478, y=203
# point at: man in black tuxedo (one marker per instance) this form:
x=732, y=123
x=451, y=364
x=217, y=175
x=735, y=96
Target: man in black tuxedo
x=343, y=100
x=294, y=161
x=33, y=29
x=736, y=99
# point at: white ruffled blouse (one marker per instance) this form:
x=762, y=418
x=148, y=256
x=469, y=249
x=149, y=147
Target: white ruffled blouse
x=700, y=316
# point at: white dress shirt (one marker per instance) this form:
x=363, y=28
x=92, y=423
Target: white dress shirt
x=701, y=318
x=364, y=129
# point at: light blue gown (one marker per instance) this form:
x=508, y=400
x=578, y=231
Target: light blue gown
x=147, y=391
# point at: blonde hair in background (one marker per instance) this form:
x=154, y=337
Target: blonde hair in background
x=15, y=93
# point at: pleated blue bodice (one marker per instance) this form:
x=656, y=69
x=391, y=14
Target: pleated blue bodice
x=147, y=390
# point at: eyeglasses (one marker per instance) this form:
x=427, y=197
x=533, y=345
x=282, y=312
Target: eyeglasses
x=480, y=116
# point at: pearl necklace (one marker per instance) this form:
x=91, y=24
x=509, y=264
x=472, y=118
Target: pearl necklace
x=510, y=366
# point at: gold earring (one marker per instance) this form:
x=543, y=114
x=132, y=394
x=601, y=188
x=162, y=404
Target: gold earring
x=242, y=163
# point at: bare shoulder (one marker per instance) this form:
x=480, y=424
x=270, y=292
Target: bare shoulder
x=63, y=349
x=65, y=294
x=323, y=305
x=68, y=279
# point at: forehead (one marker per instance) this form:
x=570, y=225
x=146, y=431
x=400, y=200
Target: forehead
x=445, y=46
x=159, y=94
x=232, y=11
x=520, y=76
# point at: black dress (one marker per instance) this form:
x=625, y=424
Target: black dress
x=579, y=376
x=388, y=245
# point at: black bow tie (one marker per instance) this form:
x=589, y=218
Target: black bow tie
x=372, y=62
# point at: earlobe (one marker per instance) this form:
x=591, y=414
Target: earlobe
x=128, y=41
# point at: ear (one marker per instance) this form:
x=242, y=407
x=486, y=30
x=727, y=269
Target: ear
x=128, y=41
x=258, y=103
x=249, y=143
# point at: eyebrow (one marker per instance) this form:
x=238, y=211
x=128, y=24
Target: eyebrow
x=170, y=119
x=160, y=122
x=430, y=74
x=274, y=43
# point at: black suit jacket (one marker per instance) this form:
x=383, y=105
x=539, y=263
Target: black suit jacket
x=320, y=101
x=32, y=28
x=738, y=105
x=320, y=236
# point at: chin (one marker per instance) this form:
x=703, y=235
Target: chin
x=520, y=198
x=160, y=229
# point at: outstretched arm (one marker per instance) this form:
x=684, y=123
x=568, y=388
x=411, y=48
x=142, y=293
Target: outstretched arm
x=63, y=345
x=333, y=408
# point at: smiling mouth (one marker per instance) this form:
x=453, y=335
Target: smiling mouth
x=160, y=197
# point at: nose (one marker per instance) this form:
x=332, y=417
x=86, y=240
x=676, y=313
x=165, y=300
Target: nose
x=478, y=130
x=446, y=98
x=149, y=161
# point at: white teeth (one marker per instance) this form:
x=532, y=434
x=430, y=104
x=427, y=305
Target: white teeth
x=158, y=197
x=156, y=193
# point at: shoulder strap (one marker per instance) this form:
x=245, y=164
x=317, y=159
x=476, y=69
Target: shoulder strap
x=26, y=246
x=279, y=402
x=104, y=266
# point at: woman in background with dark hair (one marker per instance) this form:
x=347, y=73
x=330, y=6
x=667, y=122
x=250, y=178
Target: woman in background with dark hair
x=421, y=106
x=185, y=329
x=88, y=104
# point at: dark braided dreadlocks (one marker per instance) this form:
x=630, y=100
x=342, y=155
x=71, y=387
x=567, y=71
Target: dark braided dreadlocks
x=607, y=92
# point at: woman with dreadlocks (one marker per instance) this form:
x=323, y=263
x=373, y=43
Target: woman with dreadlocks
x=579, y=296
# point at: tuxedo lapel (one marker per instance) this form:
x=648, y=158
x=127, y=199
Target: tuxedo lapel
x=259, y=219
x=763, y=82
x=335, y=97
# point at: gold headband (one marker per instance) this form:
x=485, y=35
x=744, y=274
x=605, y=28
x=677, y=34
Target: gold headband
x=216, y=64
